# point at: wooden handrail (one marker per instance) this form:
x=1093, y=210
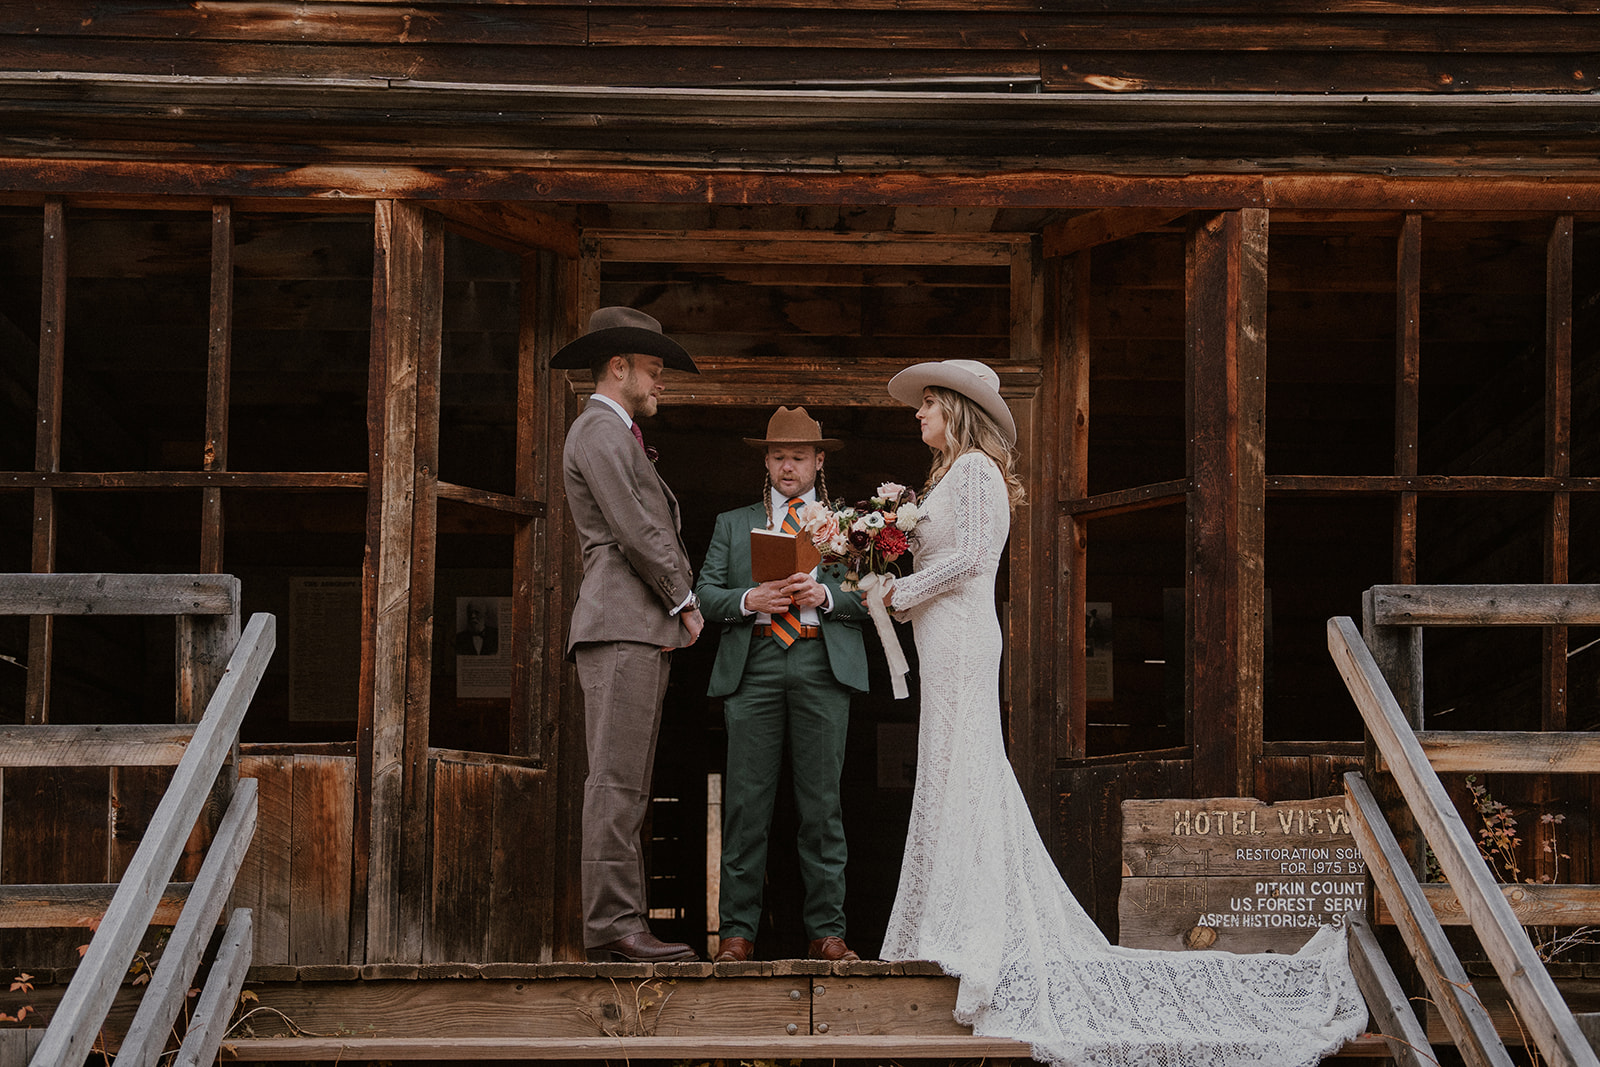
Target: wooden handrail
x=1387, y=1001
x=1503, y=939
x=1486, y=605
x=56, y=905
x=88, y=998
x=1512, y=751
x=118, y=594
x=1463, y=1012
x=120, y=745
x=169, y=985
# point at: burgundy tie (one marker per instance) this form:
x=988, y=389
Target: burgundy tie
x=638, y=435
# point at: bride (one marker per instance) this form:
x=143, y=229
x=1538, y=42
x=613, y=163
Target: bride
x=979, y=893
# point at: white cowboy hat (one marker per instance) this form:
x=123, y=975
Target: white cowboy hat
x=971, y=379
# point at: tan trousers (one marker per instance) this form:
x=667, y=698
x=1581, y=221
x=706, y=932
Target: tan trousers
x=623, y=685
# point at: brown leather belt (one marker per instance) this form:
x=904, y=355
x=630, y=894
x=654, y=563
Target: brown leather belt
x=763, y=630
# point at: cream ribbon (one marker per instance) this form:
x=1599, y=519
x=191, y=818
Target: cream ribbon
x=872, y=587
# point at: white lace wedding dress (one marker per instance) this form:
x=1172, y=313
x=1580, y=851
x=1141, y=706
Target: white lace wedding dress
x=980, y=895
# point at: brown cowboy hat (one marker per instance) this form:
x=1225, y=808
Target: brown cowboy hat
x=792, y=426
x=622, y=331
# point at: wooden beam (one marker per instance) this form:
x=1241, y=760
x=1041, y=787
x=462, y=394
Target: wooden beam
x=512, y=227
x=53, y=906
x=483, y=498
x=872, y=247
x=118, y=594
x=1486, y=605
x=49, y=745
x=1512, y=751
x=81, y=1013
x=1082, y=232
x=205, y=642
x=1502, y=936
x=183, y=480
x=1426, y=484
x=1533, y=904
x=535, y=315
x=1225, y=381
x=1436, y=961
x=47, y=447
x=1122, y=501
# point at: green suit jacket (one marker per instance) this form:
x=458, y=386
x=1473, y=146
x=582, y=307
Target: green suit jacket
x=725, y=578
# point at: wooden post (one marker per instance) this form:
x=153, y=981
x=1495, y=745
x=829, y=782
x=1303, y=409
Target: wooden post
x=1567, y=791
x=1068, y=294
x=1225, y=341
x=47, y=446
x=1032, y=579
x=392, y=745
x=1408, y=361
x=219, y=364
x=528, y=604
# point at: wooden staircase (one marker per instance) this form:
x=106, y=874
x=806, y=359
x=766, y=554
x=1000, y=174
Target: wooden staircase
x=1380, y=660
x=218, y=669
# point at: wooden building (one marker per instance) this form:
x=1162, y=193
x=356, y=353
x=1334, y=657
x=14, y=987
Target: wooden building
x=1286, y=305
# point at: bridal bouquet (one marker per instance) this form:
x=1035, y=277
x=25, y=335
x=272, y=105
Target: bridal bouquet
x=867, y=538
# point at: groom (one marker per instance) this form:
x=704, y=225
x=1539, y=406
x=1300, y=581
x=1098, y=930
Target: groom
x=635, y=605
x=790, y=656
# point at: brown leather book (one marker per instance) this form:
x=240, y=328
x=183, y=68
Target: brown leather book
x=775, y=555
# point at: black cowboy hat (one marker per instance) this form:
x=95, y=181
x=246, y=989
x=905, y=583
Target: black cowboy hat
x=621, y=331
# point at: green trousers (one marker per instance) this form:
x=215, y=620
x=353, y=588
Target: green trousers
x=784, y=694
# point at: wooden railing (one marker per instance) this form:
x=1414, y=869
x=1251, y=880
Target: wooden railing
x=1377, y=665
x=224, y=680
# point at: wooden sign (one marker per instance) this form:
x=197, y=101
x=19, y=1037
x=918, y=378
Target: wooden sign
x=1236, y=873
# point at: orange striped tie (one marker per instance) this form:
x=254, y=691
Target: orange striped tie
x=786, y=627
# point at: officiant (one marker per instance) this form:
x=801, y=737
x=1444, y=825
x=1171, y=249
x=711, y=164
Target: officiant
x=791, y=654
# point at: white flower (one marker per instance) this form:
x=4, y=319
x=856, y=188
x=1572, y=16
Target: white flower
x=840, y=543
x=889, y=492
x=906, y=516
x=872, y=520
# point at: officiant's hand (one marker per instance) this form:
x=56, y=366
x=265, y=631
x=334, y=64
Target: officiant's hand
x=805, y=591
x=769, y=597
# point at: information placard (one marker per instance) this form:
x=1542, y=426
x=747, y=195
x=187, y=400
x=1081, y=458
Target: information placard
x=1236, y=873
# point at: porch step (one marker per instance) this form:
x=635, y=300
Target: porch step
x=815, y=1046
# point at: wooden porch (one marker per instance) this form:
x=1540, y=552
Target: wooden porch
x=783, y=1009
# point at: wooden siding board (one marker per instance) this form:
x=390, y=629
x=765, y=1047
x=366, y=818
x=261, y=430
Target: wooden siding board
x=459, y=905
x=322, y=807
x=520, y=872
x=265, y=882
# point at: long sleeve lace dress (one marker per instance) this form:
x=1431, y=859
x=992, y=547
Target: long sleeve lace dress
x=980, y=895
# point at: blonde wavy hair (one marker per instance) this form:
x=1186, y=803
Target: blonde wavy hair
x=968, y=428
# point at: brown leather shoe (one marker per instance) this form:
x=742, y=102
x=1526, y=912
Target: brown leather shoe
x=735, y=950
x=831, y=948
x=642, y=947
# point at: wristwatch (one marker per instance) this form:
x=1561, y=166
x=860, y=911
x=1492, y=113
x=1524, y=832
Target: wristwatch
x=692, y=604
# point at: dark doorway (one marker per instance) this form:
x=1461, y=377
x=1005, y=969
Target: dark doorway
x=710, y=469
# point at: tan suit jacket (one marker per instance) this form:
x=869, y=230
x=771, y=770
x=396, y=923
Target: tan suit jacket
x=635, y=568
